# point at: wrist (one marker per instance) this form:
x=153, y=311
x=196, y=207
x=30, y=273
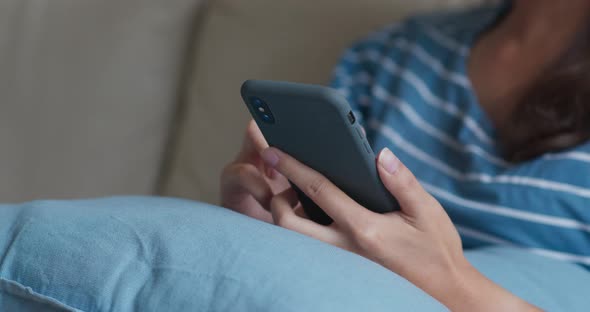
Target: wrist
x=466, y=287
x=457, y=282
x=469, y=290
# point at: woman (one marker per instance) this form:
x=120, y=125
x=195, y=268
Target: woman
x=489, y=110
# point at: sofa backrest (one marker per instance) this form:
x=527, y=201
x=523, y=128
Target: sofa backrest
x=87, y=93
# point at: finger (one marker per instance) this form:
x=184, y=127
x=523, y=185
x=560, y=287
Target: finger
x=247, y=178
x=293, y=200
x=318, y=188
x=254, y=143
x=300, y=211
x=271, y=173
x=402, y=184
x=284, y=215
x=256, y=138
x=290, y=196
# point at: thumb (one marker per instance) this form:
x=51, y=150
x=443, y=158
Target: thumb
x=402, y=184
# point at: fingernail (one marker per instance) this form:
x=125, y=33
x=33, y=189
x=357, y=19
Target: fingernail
x=270, y=157
x=388, y=161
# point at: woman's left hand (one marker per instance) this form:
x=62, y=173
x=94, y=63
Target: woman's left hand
x=419, y=242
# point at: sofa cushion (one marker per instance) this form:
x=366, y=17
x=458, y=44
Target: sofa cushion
x=158, y=254
x=87, y=91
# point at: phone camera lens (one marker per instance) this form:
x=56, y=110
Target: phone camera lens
x=262, y=110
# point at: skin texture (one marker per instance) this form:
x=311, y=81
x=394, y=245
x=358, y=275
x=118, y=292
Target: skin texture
x=419, y=242
x=506, y=60
x=247, y=185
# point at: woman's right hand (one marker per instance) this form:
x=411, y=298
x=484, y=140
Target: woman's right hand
x=247, y=184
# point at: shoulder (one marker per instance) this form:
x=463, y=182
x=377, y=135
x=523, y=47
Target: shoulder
x=447, y=29
x=555, y=184
x=563, y=176
x=571, y=166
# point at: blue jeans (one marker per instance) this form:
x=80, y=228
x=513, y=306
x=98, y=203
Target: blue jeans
x=159, y=254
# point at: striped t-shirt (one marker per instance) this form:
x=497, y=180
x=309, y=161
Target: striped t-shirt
x=409, y=87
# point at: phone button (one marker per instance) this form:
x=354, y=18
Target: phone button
x=359, y=131
x=368, y=148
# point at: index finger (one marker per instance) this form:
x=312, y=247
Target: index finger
x=339, y=206
x=254, y=142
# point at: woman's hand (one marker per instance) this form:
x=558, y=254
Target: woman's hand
x=419, y=242
x=247, y=185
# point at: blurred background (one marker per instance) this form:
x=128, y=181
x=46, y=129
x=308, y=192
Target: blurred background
x=114, y=97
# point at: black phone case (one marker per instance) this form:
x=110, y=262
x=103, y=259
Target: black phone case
x=314, y=125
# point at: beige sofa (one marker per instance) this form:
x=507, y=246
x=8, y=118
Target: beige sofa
x=142, y=96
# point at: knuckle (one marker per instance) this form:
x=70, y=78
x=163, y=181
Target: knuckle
x=239, y=174
x=367, y=235
x=243, y=172
x=282, y=221
x=317, y=187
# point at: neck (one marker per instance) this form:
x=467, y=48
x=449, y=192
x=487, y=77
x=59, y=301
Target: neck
x=542, y=22
x=532, y=37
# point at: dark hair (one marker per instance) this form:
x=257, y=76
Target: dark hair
x=554, y=113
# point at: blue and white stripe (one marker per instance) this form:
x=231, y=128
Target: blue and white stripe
x=409, y=84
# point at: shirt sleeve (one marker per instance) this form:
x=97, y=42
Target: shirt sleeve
x=347, y=79
x=357, y=69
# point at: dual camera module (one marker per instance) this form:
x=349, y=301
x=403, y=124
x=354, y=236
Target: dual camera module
x=262, y=110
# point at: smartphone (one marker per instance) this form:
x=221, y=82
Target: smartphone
x=315, y=125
